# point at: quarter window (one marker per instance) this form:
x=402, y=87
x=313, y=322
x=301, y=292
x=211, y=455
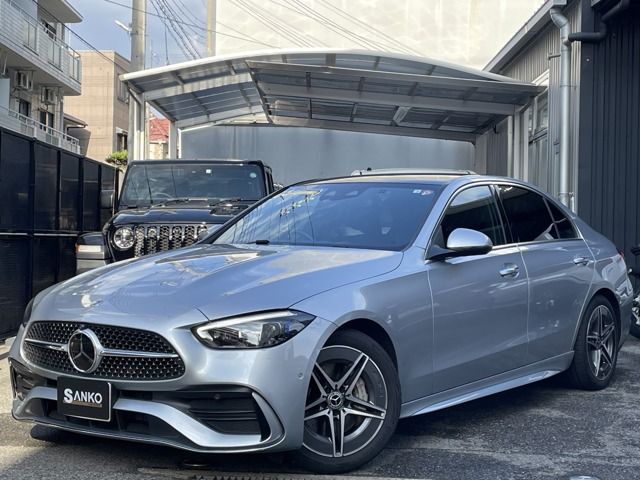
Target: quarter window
x=563, y=224
x=473, y=208
x=527, y=215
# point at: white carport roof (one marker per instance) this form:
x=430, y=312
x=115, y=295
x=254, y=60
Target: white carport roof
x=336, y=89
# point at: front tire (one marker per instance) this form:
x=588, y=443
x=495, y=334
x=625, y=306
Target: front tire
x=352, y=407
x=596, y=348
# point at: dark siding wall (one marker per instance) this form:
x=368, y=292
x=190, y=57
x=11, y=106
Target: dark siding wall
x=47, y=197
x=609, y=168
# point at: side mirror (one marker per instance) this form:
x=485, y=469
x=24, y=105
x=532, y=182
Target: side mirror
x=463, y=242
x=106, y=198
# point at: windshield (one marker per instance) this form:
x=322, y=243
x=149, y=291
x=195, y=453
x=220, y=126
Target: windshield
x=150, y=184
x=384, y=216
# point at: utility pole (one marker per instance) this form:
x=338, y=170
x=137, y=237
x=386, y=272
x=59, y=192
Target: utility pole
x=137, y=105
x=138, y=31
x=211, y=27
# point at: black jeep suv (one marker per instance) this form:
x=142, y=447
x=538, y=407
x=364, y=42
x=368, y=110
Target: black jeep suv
x=171, y=203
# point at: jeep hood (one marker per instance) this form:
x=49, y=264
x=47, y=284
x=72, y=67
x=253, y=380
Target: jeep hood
x=217, y=280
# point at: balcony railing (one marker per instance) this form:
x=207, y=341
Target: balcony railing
x=31, y=128
x=19, y=29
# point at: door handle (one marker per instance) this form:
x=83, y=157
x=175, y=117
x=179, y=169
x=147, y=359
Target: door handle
x=509, y=270
x=581, y=261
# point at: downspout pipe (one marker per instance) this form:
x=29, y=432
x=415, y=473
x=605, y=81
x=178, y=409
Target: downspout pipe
x=562, y=23
x=596, y=37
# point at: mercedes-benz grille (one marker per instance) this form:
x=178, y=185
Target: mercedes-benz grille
x=129, y=354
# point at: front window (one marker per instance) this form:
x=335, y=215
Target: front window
x=152, y=184
x=376, y=215
x=473, y=208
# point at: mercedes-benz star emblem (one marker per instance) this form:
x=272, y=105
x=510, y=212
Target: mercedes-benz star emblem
x=85, y=351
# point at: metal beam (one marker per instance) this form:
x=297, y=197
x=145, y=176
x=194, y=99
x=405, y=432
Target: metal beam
x=434, y=103
x=217, y=117
x=401, y=112
x=197, y=85
x=371, y=128
x=514, y=87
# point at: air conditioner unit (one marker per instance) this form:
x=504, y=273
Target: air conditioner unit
x=24, y=80
x=48, y=96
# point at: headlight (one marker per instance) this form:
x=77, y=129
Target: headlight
x=27, y=312
x=123, y=238
x=257, y=330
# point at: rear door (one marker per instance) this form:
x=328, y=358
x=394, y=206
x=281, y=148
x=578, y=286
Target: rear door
x=559, y=265
x=479, y=301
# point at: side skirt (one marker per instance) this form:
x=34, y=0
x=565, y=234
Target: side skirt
x=488, y=386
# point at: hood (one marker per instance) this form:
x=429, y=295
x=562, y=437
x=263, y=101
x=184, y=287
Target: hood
x=217, y=280
x=192, y=212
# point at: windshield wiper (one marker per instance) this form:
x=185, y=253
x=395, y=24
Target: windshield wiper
x=230, y=200
x=179, y=200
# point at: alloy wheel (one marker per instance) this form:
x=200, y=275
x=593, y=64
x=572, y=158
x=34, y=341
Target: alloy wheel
x=346, y=403
x=601, y=341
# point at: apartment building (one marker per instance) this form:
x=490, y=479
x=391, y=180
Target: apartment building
x=37, y=68
x=103, y=105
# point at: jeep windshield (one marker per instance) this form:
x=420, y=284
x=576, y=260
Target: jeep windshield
x=183, y=182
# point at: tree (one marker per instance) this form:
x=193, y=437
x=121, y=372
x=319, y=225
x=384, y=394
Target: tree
x=118, y=158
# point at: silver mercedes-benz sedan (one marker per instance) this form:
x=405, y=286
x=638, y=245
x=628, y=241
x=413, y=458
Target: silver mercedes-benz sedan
x=317, y=318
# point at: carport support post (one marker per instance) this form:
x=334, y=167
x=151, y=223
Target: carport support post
x=565, y=97
x=137, y=122
x=173, y=141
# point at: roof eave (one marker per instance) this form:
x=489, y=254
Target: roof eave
x=523, y=36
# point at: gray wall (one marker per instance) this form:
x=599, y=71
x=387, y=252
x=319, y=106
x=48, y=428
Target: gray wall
x=297, y=154
x=527, y=65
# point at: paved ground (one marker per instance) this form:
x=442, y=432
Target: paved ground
x=542, y=431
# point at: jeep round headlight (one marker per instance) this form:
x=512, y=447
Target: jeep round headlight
x=258, y=330
x=123, y=238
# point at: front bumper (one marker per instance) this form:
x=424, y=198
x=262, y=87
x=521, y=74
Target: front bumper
x=227, y=401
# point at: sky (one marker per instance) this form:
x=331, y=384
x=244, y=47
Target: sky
x=468, y=32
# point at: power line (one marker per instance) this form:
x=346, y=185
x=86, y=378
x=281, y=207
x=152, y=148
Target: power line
x=307, y=38
x=371, y=28
x=174, y=34
x=368, y=43
x=246, y=38
x=280, y=32
x=184, y=35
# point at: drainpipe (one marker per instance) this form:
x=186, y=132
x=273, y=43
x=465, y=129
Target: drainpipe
x=596, y=37
x=562, y=23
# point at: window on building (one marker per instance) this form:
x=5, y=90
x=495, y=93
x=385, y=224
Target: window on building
x=24, y=107
x=122, y=91
x=122, y=141
x=47, y=119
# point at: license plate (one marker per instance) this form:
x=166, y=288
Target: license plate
x=89, y=399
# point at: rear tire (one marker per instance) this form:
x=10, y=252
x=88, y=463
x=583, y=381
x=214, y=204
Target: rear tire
x=354, y=389
x=596, y=347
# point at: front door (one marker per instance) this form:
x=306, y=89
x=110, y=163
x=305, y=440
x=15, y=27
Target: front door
x=480, y=301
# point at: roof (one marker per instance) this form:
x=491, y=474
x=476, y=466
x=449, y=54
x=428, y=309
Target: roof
x=356, y=90
x=411, y=171
x=158, y=130
x=389, y=178
x=522, y=38
x=180, y=161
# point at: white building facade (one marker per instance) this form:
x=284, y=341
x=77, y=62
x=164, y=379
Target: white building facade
x=37, y=69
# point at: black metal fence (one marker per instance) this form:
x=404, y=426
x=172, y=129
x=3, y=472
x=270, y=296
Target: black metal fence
x=47, y=197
